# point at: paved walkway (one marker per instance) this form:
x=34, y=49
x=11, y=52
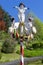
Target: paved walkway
x=27, y=60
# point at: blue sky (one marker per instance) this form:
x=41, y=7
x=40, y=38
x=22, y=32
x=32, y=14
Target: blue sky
x=36, y=7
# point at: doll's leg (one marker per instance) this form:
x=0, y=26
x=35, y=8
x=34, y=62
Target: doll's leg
x=31, y=36
x=19, y=18
x=23, y=18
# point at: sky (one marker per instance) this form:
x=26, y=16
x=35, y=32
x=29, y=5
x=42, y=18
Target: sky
x=36, y=6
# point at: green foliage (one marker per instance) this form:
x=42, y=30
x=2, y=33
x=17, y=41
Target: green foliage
x=0, y=55
x=6, y=18
x=29, y=45
x=32, y=53
x=4, y=35
x=36, y=45
x=38, y=62
x=39, y=27
x=42, y=61
x=8, y=46
x=41, y=45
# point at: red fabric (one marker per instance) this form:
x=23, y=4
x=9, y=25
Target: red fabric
x=22, y=50
x=17, y=35
x=21, y=63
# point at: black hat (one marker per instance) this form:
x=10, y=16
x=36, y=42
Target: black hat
x=21, y=4
x=29, y=19
x=12, y=19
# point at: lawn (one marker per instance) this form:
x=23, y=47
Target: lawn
x=9, y=57
x=32, y=53
x=16, y=54
x=36, y=63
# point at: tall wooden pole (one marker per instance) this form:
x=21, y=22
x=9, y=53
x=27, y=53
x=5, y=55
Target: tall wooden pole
x=21, y=45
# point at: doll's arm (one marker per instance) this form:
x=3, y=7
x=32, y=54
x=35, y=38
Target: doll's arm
x=16, y=7
x=26, y=8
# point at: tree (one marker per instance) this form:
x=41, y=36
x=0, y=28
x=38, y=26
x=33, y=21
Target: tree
x=8, y=46
x=6, y=17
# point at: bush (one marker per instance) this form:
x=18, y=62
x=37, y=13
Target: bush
x=0, y=55
x=18, y=51
x=41, y=44
x=42, y=61
x=8, y=46
x=36, y=45
x=4, y=35
x=29, y=47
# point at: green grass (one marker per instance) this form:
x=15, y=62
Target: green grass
x=32, y=53
x=1, y=43
x=9, y=57
x=36, y=63
x=16, y=54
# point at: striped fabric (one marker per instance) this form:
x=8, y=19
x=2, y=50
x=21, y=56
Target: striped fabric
x=22, y=53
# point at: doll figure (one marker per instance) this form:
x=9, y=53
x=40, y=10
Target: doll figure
x=11, y=29
x=21, y=10
x=32, y=28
